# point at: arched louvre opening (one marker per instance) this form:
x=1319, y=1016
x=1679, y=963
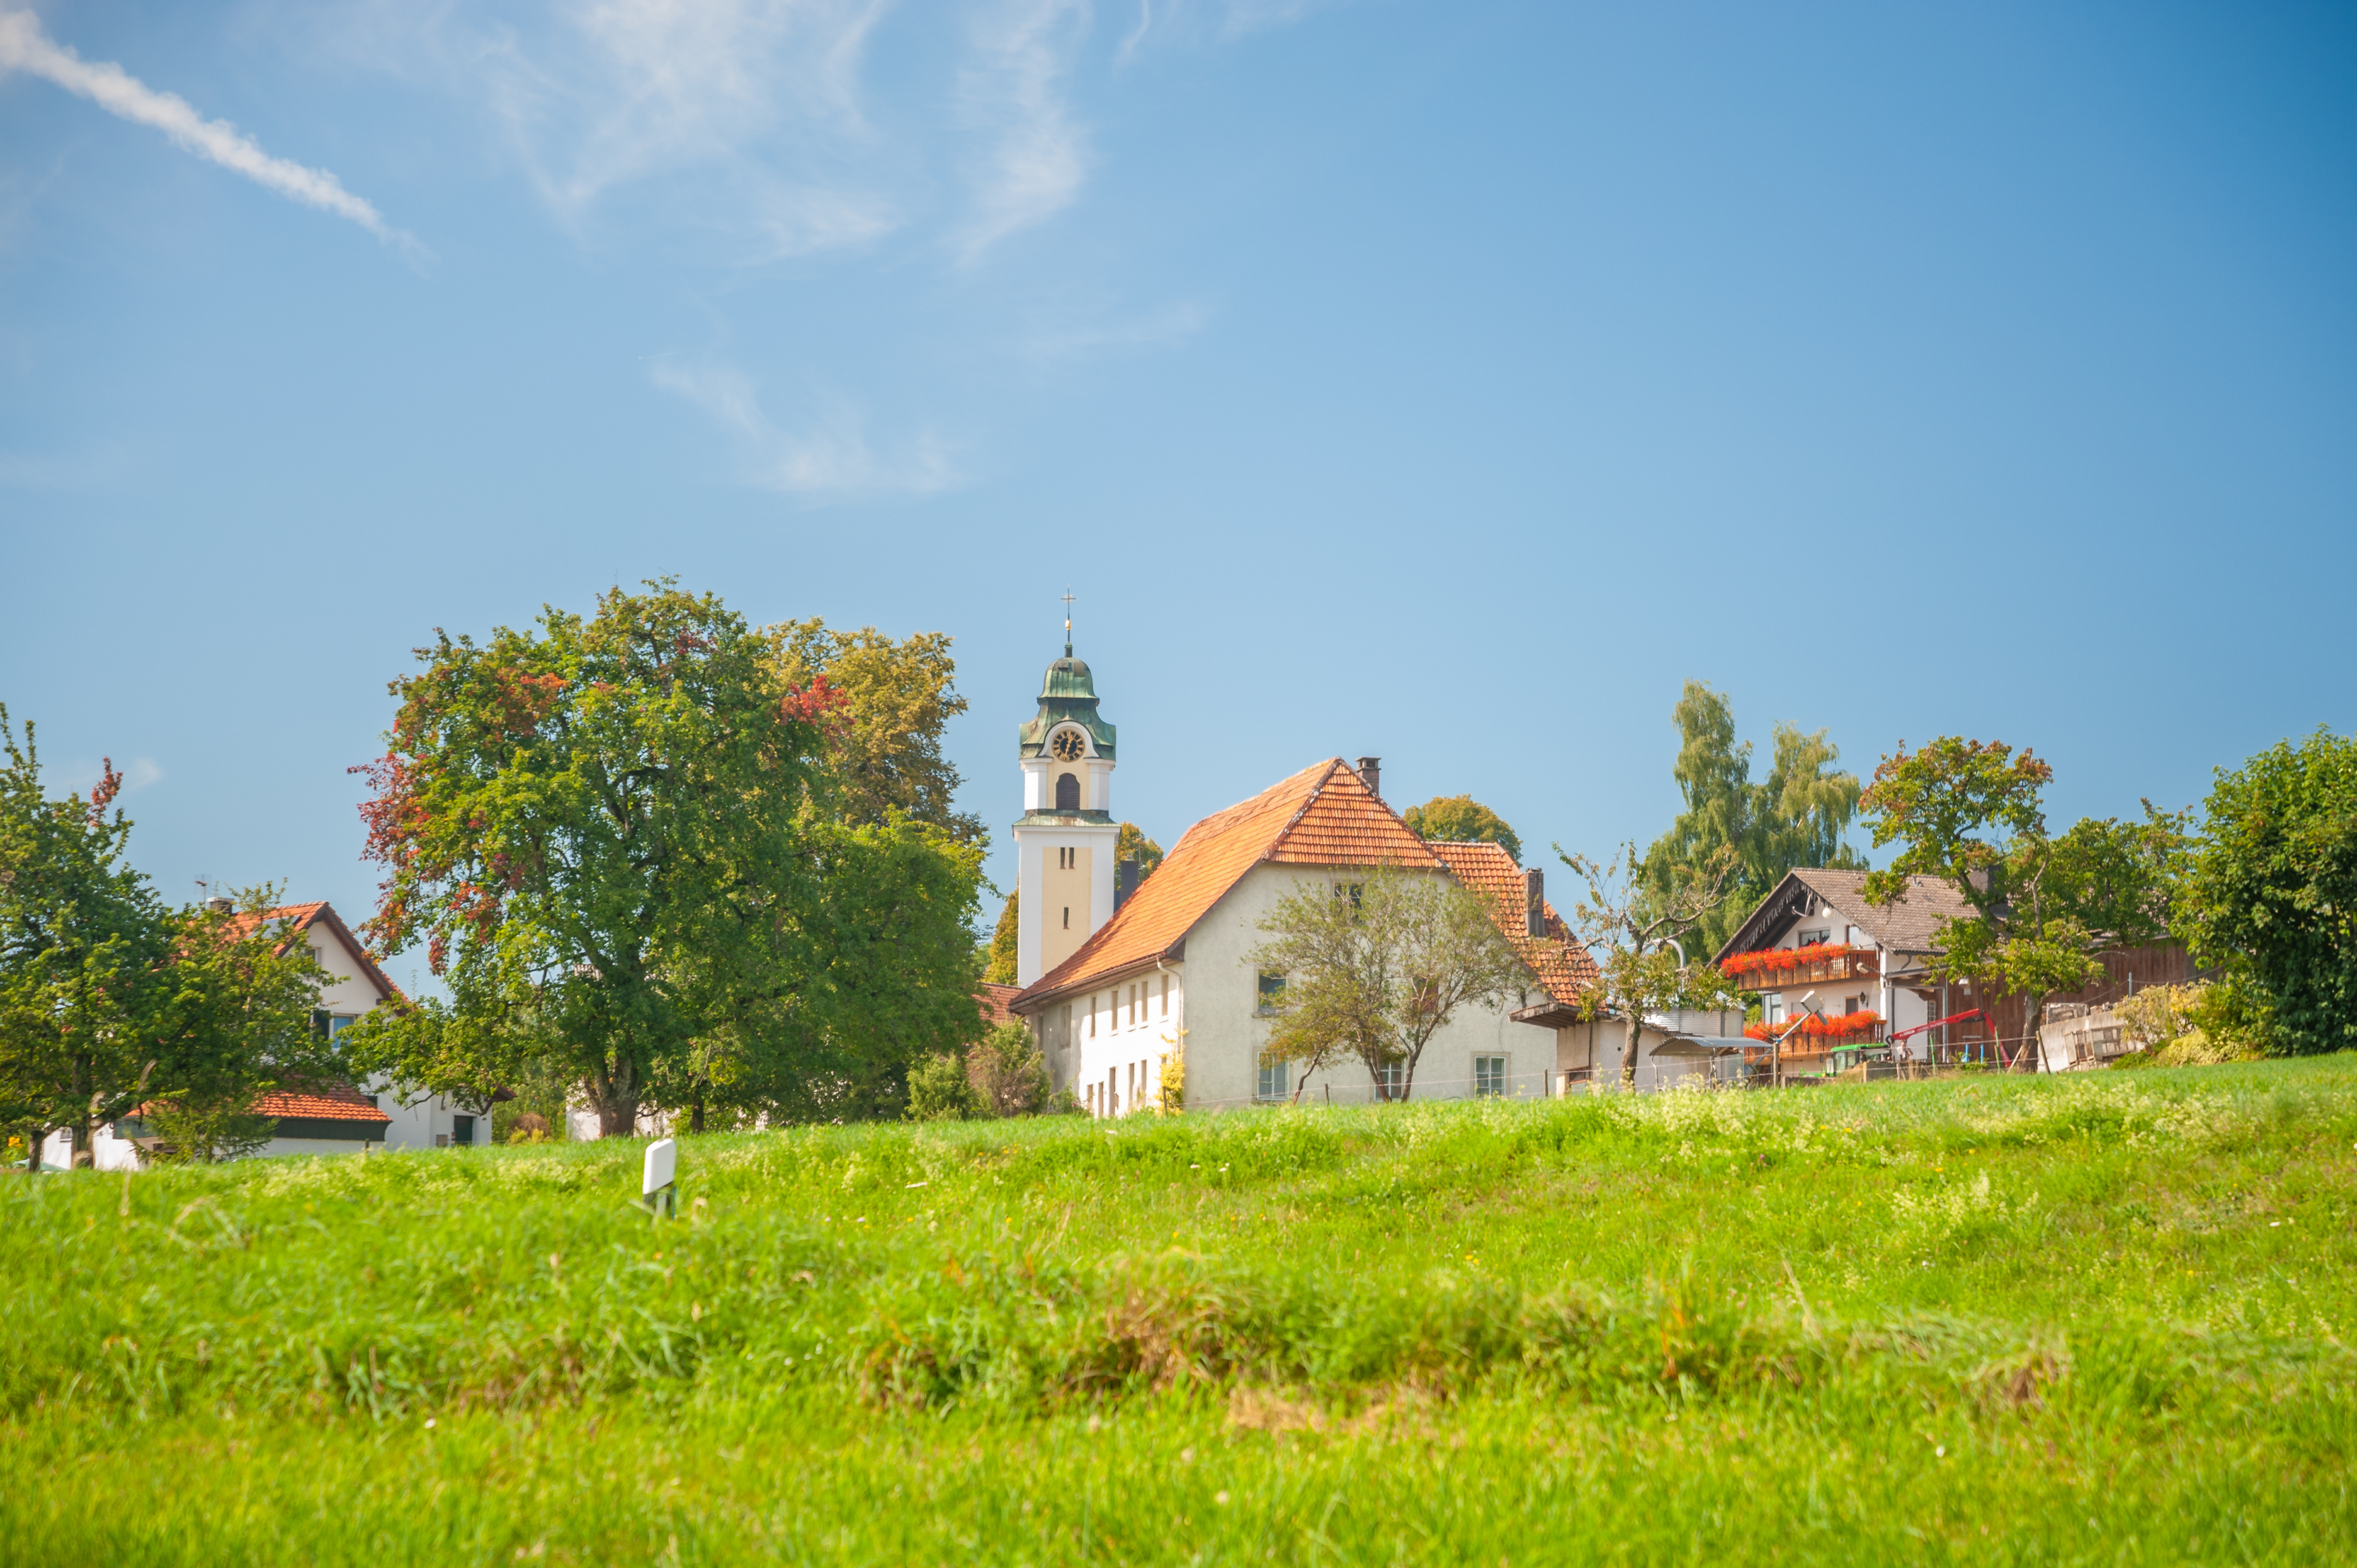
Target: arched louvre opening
x=1067, y=792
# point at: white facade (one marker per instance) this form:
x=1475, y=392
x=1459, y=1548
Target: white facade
x=1107, y=1043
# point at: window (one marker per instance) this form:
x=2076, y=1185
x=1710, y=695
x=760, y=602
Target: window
x=1112, y=1093
x=1353, y=891
x=1273, y=1075
x=1391, y=1081
x=1488, y=1076
x=1092, y=1017
x=1068, y=917
x=1272, y=993
x=1166, y=997
x=1772, y=1005
x=1809, y=939
x=462, y=1128
x=1067, y=792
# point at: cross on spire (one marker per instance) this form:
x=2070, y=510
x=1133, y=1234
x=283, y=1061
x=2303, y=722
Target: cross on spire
x=1068, y=622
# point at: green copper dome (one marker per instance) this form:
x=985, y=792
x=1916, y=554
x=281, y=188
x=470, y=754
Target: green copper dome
x=1068, y=677
x=1066, y=694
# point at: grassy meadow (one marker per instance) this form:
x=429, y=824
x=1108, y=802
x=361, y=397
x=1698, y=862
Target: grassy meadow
x=2103, y=1317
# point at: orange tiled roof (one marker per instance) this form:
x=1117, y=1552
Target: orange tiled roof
x=994, y=999
x=1562, y=965
x=1323, y=815
x=323, y=1102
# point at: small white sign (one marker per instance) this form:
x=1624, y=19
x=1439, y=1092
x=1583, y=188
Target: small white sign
x=663, y=1160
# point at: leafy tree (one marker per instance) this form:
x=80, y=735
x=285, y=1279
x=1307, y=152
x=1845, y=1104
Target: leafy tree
x=998, y=963
x=596, y=828
x=83, y=937
x=886, y=973
x=1795, y=817
x=1376, y=963
x=2120, y=878
x=1632, y=931
x=1968, y=812
x=1007, y=1073
x=109, y=997
x=884, y=741
x=938, y=1090
x=2272, y=891
x=1131, y=843
x=1461, y=819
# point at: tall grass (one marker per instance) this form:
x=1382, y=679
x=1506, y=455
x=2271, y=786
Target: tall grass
x=1662, y=1324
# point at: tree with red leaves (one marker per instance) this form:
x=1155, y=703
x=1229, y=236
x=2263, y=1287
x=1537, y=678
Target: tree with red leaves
x=603, y=830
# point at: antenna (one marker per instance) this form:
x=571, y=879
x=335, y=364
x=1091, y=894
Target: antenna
x=1067, y=620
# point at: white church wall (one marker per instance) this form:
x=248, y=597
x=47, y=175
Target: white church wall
x=1120, y=1034
x=1226, y=1034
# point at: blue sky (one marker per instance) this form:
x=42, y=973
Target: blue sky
x=1445, y=382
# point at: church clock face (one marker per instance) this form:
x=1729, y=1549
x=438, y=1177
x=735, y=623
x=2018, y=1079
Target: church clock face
x=1067, y=745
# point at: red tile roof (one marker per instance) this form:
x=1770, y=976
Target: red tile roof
x=1323, y=815
x=993, y=998
x=1562, y=965
x=322, y=1102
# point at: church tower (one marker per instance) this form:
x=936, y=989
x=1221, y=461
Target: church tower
x=1064, y=842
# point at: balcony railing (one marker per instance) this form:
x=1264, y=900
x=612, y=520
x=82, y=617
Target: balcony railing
x=1772, y=969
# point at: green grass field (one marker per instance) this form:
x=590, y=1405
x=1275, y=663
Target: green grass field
x=2096, y=1318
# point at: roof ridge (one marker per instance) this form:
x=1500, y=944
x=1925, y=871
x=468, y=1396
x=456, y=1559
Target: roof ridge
x=1326, y=775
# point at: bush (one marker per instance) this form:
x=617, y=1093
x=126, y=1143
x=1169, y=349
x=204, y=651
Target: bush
x=938, y=1092
x=1007, y=1074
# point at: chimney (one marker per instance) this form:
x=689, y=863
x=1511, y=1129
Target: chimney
x=1124, y=880
x=219, y=905
x=1370, y=774
x=1535, y=902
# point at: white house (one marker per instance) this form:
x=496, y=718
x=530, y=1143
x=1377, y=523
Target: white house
x=1865, y=964
x=1124, y=977
x=323, y=1119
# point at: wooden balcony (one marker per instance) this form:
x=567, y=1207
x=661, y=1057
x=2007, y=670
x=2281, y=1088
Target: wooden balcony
x=1857, y=963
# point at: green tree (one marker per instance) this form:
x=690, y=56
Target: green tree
x=1795, y=817
x=2272, y=890
x=597, y=829
x=82, y=939
x=109, y=997
x=1631, y=929
x=1375, y=962
x=1461, y=819
x=1968, y=812
x=938, y=1090
x=998, y=964
x=1007, y=1073
x=1131, y=843
x=884, y=740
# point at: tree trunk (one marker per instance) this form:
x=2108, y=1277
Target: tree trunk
x=85, y=1145
x=695, y=1112
x=1629, y=1053
x=618, y=1117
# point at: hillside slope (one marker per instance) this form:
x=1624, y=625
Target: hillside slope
x=2100, y=1317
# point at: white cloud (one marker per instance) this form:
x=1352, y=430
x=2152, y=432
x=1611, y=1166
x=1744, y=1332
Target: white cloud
x=755, y=102
x=25, y=46
x=1037, y=156
x=831, y=461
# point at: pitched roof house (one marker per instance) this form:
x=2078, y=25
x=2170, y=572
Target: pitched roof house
x=330, y=1118
x=1865, y=967
x=1173, y=962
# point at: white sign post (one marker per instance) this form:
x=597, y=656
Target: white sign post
x=655, y=1188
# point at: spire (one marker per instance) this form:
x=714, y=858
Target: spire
x=1068, y=621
